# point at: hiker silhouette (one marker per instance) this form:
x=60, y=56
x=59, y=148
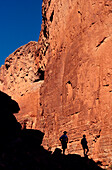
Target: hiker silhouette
x=24, y=124
x=64, y=141
x=84, y=145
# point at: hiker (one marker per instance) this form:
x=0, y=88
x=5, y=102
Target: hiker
x=64, y=141
x=24, y=124
x=84, y=145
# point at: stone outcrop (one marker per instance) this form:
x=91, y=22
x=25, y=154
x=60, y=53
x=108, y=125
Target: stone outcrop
x=74, y=55
x=21, y=77
x=20, y=71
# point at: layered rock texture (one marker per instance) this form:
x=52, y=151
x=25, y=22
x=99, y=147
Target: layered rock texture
x=63, y=82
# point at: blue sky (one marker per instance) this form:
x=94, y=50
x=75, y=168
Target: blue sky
x=20, y=22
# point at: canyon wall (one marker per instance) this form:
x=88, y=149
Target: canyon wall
x=77, y=91
x=69, y=87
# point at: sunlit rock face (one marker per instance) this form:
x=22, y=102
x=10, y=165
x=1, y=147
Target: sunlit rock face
x=65, y=80
x=20, y=71
x=77, y=92
x=21, y=77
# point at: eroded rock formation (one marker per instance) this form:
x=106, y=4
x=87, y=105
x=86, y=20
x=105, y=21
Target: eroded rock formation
x=74, y=53
x=21, y=78
x=20, y=71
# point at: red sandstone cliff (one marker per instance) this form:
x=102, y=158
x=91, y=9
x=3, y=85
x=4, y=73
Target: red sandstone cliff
x=21, y=77
x=74, y=50
x=76, y=94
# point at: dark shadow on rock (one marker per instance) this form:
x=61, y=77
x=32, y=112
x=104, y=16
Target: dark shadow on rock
x=9, y=127
x=73, y=161
x=32, y=139
x=99, y=163
x=57, y=152
x=23, y=151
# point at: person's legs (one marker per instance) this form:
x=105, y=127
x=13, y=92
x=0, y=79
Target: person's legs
x=63, y=151
x=64, y=146
x=84, y=152
x=87, y=150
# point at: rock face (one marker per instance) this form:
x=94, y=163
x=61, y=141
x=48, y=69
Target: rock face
x=20, y=71
x=75, y=93
x=21, y=78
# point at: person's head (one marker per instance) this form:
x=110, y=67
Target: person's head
x=84, y=136
x=65, y=132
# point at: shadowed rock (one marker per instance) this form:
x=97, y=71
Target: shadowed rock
x=9, y=127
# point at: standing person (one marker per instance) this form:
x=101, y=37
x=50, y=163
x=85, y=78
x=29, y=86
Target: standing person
x=84, y=145
x=24, y=125
x=64, y=141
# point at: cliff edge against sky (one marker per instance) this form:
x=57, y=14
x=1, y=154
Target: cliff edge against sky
x=63, y=82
